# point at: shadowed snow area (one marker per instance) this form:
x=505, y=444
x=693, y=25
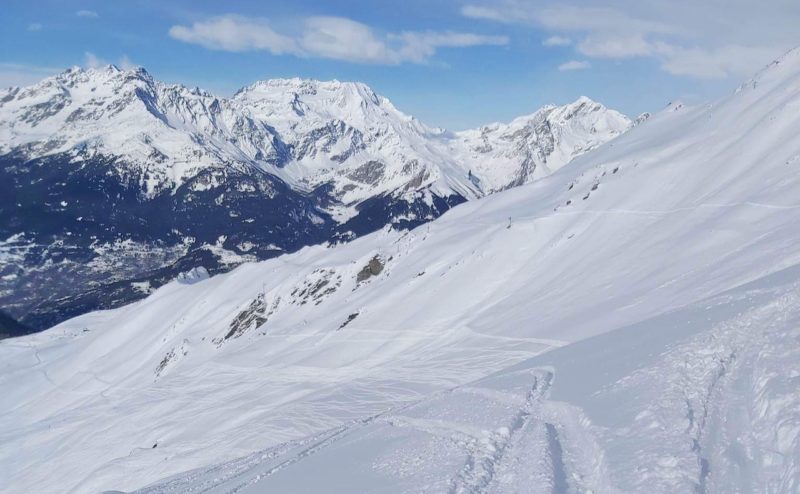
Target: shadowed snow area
x=628, y=324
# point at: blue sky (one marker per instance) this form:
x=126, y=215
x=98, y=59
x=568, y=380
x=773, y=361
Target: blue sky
x=451, y=63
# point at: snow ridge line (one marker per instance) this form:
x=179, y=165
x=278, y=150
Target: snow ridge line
x=643, y=212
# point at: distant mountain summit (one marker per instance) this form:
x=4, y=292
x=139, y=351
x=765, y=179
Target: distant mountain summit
x=114, y=182
x=533, y=146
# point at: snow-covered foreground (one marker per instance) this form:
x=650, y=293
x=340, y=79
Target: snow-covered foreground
x=702, y=399
x=629, y=323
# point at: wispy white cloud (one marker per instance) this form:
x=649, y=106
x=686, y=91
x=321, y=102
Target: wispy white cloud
x=125, y=63
x=336, y=38
x=420, y=47
x=89, y=14
x=235, y=33
x=616, y=46
x=574, y=65
x=12, y=74
x=34, y=26
x=687, y=37
x=565, y=17
x=557, y=41
x=92, y=61
x=507, y=13
x=716, y=63
x=343, y=39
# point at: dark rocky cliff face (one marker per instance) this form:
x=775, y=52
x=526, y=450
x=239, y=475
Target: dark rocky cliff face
x=10, y=327
x=77, y=236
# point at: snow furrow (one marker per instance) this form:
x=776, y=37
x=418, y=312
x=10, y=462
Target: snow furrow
x=479, y=471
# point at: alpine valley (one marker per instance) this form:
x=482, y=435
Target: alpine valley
x=113, y=183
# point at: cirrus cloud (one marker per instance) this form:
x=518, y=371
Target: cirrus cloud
x=92, y=61
x=574, y=65
x=13, y=74
x=557, y=41
x=336, y=38
x=703, y=40
x=235, y=33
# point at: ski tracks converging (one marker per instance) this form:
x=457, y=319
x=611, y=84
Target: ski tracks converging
x=523, y=448
x=481, y=467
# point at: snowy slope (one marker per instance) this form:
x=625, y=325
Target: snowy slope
x=635, y=312
x=708, y=404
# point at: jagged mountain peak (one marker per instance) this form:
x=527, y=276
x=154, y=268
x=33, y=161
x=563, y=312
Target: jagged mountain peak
x=313, y=94
x=307, y=87
x=581, y=106
x=76, y=75
x=307, y=102
x=77, y=86
x=307, y=132
x=535, y=145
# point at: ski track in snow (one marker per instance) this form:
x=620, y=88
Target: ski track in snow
x=720, y=420
x=39, y=364
x=502, y=460
x=648, y=212
x=247, y=471
x=480, y=469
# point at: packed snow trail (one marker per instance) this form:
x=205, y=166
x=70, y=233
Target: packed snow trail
x=482, y=450
x=480, y=470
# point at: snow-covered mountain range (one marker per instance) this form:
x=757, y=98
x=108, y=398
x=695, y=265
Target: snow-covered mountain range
x=626, y=324
x=118, y=182
x=309, y=133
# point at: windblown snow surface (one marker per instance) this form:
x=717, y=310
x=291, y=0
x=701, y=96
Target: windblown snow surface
x=629, y=324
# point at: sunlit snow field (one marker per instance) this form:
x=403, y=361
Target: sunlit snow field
x=628, y=324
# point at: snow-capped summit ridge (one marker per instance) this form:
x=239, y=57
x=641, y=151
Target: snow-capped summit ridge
x=303, y=86
x=779, y=71
x=533, y=146
x=307, y=132
x=76, y=75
